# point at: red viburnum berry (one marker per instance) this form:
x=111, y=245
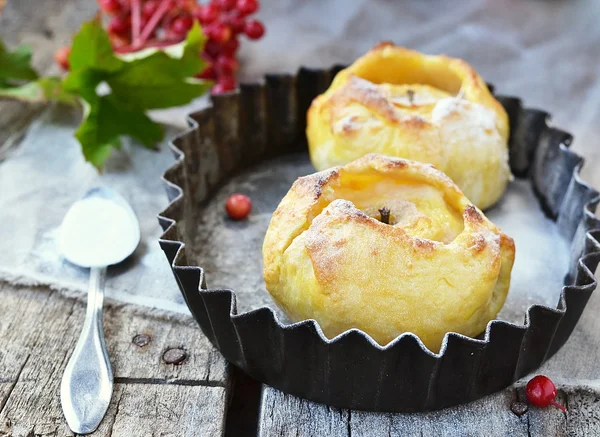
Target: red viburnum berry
x=119, y=25
x=541, y=392
x=238, y=206
x=247, y=7
x=206, y=14
x=111, y=7
x=254, y=29
x=61, y=56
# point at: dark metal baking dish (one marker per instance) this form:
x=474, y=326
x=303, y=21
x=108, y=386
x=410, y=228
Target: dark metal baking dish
x=265, y=121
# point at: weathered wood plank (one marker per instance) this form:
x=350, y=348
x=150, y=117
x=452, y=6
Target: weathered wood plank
x=5, y=389
x=142, y=410
x=287, y=415
x=22, y=334
x=203, y=363
x=167, y=410
x=582, y=419
x=38, y=330
x=490, y=413
x=584, y=413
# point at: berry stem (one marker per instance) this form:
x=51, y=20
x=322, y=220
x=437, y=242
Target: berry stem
x=559, y=406
x=136, y=21
x=153, y=22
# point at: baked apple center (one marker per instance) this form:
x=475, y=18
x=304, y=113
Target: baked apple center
x=401, y=69
x=418, y=209
x=419, y=99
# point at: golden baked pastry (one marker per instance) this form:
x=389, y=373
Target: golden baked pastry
x=403, y=103
x=438, y=265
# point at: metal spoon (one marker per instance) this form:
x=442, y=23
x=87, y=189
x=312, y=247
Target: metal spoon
x=99, y=230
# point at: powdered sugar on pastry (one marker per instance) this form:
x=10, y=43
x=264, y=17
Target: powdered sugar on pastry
x=470, y=115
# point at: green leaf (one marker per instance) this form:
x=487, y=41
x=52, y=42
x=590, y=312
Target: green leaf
x=54, y=91
x=83, y=81
x=15, y=65
x=30, y=92
x=96, y=154
x=186, y=53
x=42, y=90
x=190, y=64
x=153, y=93
x=105, y=120
x=155, y=79
x=139, y=81
x=91, y=49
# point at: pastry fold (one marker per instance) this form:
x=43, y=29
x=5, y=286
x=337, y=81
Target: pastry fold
x=438, y=265
x=406, y=104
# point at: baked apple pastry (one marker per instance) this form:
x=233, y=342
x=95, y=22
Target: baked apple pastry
x=387, y=246
x=403, y=103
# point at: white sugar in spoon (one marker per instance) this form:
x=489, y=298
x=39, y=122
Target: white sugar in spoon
x=98, y=231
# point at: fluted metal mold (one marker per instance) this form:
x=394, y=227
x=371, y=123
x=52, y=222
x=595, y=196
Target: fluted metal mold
x=262, y=121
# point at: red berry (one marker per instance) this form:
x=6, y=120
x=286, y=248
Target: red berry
x=227, y=65
x=228, y=82
x=218, y=89
x=225, y=5
x=119, y=25
x=110, y=6
x=206, y=14
x=149, y=8
x=541, y=392
x=209, y=73
x=187, y=5
x=247, y=7
x=236, y=23
x=219, y=32
x=238, y=206
x=61, y=56
x=212, y=48
x=224, y=85
x=254, y=29
x=230, y=47
x=181, y=25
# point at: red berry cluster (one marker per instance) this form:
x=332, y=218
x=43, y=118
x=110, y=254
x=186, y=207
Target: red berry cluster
x=223, y=22
x=137, y=24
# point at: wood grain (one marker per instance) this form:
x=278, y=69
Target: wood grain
x=286, y=415
x=144, y=410
x=38, y=330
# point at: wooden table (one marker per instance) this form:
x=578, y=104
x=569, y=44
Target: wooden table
x=169, y=380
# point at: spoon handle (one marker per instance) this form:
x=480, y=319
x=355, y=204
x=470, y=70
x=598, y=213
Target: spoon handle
x=87, y=383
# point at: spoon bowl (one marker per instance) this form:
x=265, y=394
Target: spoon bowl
x=99, y=230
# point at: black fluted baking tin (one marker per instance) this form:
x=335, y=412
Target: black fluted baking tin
x=261, y=121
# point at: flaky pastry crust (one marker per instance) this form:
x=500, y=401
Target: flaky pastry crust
x=406, y=104
x=438, y=266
